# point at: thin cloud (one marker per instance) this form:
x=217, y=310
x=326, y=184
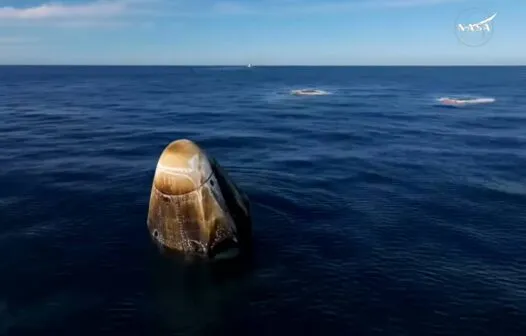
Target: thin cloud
x=9, y=40
x=281, y=7
x=99, y=10
x=96, y=9
x=15, y=40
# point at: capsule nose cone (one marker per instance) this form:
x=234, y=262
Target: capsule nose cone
x=182, y=168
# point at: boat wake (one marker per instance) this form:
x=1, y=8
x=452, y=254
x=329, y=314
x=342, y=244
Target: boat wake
x=456, y=102
x=309, y=92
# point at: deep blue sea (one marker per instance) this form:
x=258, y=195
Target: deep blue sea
x=376, y=210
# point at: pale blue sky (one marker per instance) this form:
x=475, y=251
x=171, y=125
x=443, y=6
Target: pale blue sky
x=262, y=32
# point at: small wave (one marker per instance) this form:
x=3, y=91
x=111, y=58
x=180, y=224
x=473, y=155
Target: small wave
x=309, y=92
x=462, y=102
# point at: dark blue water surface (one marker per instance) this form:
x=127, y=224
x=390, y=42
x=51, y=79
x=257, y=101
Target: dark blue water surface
x=376, y=211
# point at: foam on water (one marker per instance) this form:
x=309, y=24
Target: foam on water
x=289, y=93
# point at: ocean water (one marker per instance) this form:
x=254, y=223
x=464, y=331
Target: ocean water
x=376, y=210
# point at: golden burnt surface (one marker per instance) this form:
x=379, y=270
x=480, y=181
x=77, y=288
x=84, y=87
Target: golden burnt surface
x=182, y=168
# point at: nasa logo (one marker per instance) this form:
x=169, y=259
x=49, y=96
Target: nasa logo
x=474, y=27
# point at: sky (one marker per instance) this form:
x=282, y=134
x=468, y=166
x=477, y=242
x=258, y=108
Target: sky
x=260, y=32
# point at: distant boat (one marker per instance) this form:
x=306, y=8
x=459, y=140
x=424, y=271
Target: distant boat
x=249, y=65
x=309, y=92
x=462, y=102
